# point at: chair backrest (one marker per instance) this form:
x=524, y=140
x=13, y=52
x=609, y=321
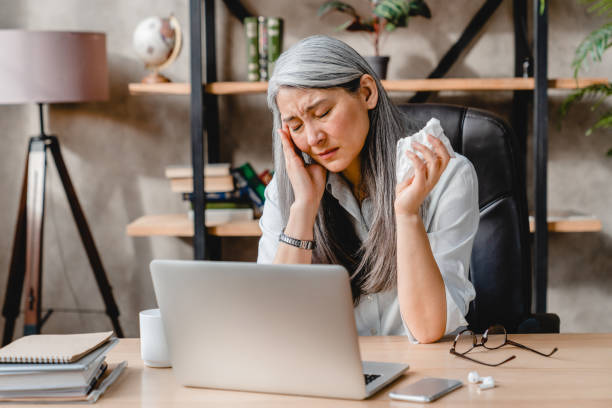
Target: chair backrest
x=500, y=267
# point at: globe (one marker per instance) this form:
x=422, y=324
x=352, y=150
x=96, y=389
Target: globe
x=157, y=42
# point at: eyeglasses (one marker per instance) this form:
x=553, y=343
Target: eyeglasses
x=493, y=338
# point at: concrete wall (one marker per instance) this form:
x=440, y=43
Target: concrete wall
x=116, y=151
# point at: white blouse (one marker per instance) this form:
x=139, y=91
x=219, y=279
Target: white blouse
x=450, y=216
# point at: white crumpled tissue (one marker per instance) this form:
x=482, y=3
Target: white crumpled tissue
x=403, y=168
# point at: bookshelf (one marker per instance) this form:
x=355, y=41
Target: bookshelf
x=165, y=225
x=405, y=85
x=530, y=70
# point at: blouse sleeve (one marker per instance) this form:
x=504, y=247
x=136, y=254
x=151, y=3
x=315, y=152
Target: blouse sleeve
x=270, y=224
x=451, y=219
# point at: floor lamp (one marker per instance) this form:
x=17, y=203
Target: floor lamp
x=48, y=67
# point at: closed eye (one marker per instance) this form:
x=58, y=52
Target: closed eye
x=295, y=129
x=329, y=110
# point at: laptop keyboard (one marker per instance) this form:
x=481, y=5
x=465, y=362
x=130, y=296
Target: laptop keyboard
x=370, y=377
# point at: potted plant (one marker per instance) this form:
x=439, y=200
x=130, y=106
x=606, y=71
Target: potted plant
x=593, y=46
x=387, y=15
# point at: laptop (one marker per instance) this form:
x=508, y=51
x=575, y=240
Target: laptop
x=286, y=329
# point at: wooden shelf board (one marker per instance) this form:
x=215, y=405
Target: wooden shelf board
x=179, y=225
x=170, y=88
x=569, y=224
x=405, y=85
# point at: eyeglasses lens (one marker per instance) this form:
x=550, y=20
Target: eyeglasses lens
x=496, y=337
x=464, y=342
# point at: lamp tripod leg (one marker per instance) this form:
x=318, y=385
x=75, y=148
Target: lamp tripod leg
x=86, y=237
x=26, y=265
x=14, y=286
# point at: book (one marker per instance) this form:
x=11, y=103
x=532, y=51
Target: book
x=242, y=184
x=239, y=195
x=211, y=184
x=82, y=364
x=262, y=49
x=107, y=378
x=253, y=180
x=266, y=177
x=219, y=205
x=251, y=29
x=52, y=380
x=219, y=216
x=52, y=348
x=275, y=41
x=184, y=171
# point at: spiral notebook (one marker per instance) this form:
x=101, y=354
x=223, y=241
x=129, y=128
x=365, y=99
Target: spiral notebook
x=52, y=348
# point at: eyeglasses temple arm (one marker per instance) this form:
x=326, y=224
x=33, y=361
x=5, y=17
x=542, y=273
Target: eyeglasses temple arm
x=514, y=343
x=480, y=362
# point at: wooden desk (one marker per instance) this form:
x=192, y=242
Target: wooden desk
x=578, y=375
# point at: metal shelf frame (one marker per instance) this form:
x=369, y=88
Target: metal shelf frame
x=205, y=113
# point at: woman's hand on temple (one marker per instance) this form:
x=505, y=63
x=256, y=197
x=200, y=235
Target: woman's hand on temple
x=410, y=194
x=307, y=180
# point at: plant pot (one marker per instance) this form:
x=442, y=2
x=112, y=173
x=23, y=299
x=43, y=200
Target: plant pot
x=379, y=65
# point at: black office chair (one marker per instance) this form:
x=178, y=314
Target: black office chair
x=500, y=267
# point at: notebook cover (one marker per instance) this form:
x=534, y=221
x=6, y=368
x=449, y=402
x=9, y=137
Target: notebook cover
x=52, y=348
x=81, y=364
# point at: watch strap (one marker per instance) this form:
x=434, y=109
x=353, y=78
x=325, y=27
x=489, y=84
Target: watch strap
x=298, y=243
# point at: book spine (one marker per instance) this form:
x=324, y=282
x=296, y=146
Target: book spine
x=275, y=42
x=251, y=29
x=266, y=177
x=262, y=38
x=236, y=195
x=242, y=183
x=253, y=180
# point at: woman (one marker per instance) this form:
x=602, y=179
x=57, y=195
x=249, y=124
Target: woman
x=407, y=246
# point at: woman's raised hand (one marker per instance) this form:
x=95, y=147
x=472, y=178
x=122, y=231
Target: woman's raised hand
x=410, y=194
x=307, y=180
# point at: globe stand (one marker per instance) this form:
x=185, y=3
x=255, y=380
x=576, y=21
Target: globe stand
x=155, y=78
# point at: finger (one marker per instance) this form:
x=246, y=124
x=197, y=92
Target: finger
x=289, y=148
x=420, y=170
x=440, y=149
x=431, y=158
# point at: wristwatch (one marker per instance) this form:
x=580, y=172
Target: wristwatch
x=299, y=243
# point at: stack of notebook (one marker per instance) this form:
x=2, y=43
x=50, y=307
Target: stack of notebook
x=55, y=368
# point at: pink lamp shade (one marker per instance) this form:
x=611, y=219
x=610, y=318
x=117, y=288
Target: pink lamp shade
x=52, y=66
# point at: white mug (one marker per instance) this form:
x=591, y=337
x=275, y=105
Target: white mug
x=153, y=345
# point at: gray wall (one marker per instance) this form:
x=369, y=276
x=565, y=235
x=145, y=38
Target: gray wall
x=116, y=151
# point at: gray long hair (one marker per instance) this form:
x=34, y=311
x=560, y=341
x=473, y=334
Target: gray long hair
x=324, y=62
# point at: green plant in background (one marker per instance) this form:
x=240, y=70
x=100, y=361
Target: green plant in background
x=593, y=47
x=386, y=15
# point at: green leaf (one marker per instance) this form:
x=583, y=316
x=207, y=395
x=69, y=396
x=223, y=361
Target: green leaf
x=599, y=7
x=594, y=46
x=397, y=12
x=603, y=122
x=336, y=5
x=390, y=27
x=345, y=25
x=419, y=8
x=542, y=6
x=600, y=91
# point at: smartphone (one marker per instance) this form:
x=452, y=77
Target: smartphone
x=426, y=390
